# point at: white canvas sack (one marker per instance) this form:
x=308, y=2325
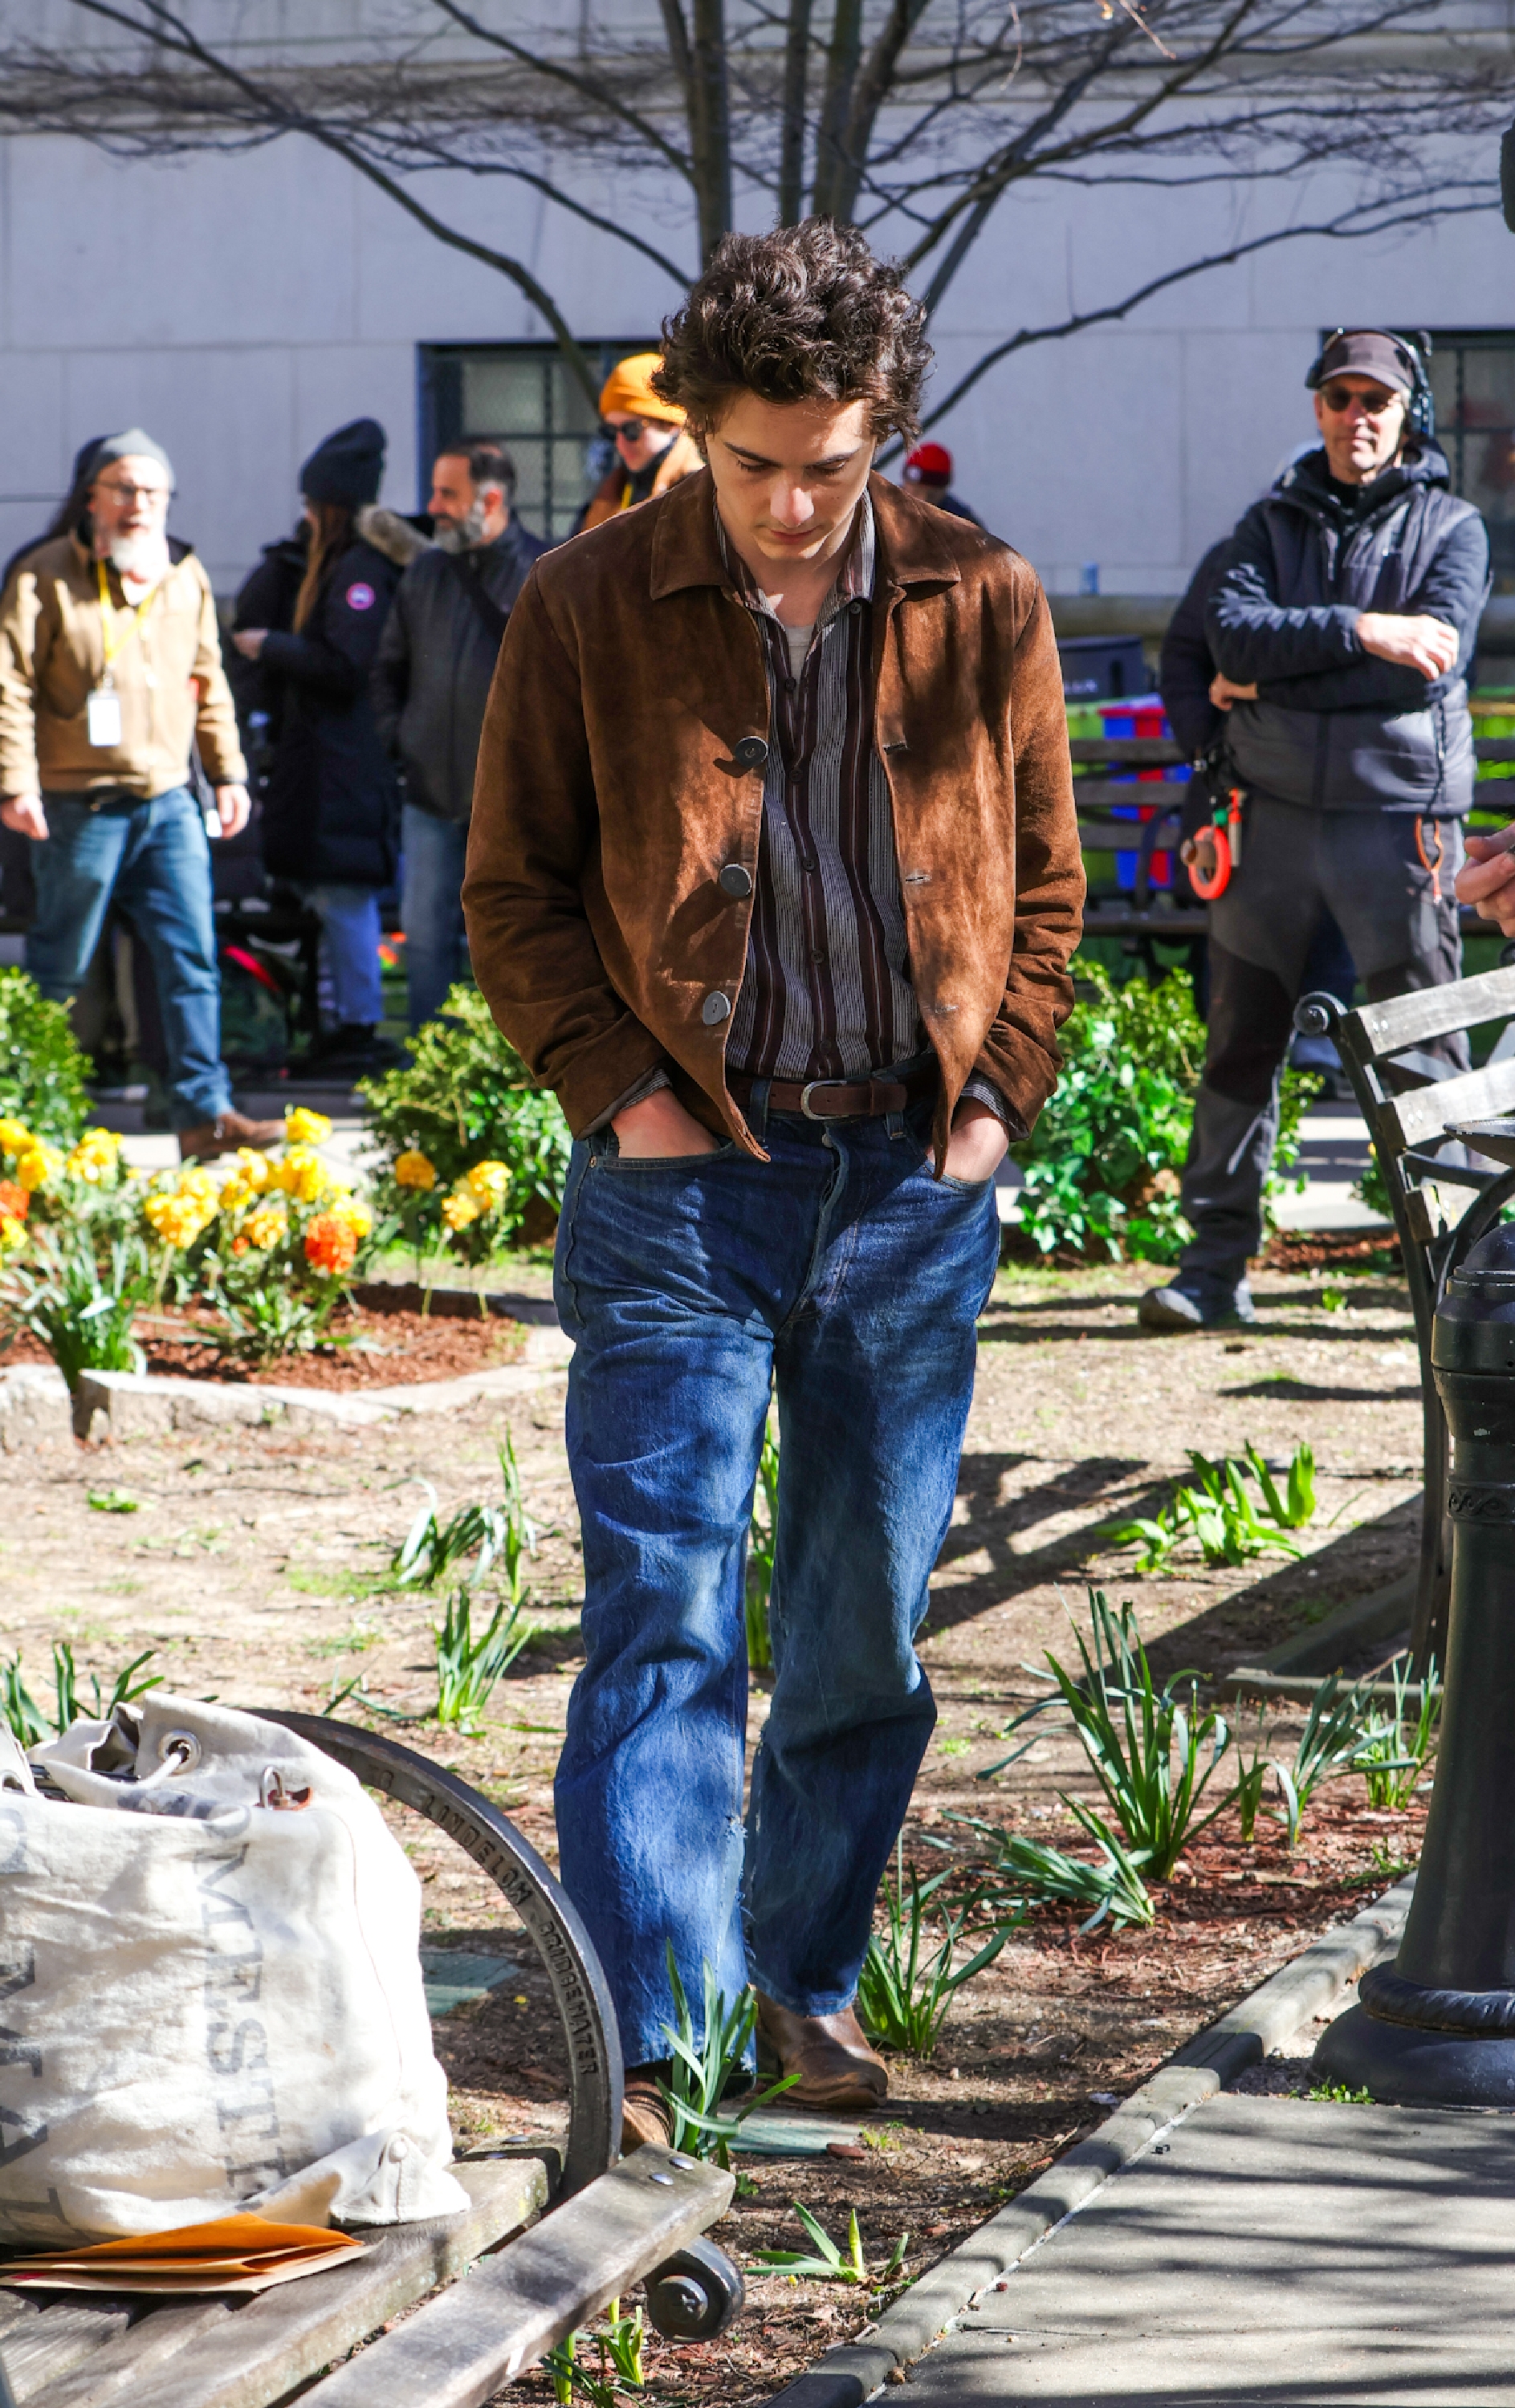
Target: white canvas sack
x=210, y=1991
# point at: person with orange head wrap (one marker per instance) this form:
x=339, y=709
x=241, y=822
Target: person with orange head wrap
x=653, y=450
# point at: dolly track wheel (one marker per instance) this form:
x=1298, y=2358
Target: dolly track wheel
x=696, y=2294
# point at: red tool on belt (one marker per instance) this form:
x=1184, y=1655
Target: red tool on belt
x=1223, y=840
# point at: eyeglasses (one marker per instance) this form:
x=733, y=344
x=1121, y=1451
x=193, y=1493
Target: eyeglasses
x=630, y=430
x=132, y=492
x=1339, y=398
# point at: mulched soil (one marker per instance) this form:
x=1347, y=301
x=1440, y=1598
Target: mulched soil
x=375, y=1350
x=254, y=1565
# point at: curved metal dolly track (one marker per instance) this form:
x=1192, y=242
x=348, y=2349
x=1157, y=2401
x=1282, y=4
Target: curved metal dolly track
x=550, y=1917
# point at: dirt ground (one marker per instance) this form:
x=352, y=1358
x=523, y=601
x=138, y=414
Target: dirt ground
x=254, y=1567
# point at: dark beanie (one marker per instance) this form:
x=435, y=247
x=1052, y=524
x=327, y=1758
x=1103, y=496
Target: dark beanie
x=348, y=467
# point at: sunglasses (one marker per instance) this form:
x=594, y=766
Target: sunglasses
x=1339, y=398
x=630, y=430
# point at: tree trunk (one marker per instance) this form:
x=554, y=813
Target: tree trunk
x=710, y=125
x=832, y=175
x=791, y=193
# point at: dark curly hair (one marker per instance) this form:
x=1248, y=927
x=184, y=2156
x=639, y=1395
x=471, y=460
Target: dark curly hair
x=805, y=314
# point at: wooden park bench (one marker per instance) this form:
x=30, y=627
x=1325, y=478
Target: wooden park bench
x=1422, y=1128
x=550, y=2235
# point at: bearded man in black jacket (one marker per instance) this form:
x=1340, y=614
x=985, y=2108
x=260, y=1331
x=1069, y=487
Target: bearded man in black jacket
x=430, y=684
x=1343, y=624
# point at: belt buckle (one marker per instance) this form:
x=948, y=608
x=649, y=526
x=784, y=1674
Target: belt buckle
x=809, y=1089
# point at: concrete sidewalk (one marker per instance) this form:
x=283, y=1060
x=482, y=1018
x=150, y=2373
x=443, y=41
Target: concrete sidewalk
x=1264, y=2250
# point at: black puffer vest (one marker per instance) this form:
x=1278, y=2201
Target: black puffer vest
x=1365, y=758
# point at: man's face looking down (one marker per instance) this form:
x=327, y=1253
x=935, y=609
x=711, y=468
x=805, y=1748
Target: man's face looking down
x=789, y=476
x=1363, y=422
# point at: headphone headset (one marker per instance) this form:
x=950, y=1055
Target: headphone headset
x=1421, y=412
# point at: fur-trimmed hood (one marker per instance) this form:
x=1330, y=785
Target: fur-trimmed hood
x=399, y=538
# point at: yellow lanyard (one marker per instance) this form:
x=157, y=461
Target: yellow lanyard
x=113, y=634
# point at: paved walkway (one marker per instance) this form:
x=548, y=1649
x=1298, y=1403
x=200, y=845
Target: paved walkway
x=1264, y=2251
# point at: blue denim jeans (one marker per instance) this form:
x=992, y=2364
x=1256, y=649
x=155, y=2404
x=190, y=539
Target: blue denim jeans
x=352, y=982
x=151, y=858
x=845, y=1273
x=436, y=956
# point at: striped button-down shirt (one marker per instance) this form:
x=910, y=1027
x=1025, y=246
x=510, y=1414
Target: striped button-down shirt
x=827, y=992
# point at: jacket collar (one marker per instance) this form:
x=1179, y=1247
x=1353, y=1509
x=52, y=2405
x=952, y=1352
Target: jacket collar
x=685, y=549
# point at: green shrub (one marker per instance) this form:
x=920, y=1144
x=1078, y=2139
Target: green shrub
x=466, y=1099
x=1103, y=1162
x=42, y=1071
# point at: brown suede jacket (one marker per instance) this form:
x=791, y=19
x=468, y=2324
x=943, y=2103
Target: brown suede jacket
x=609, y=795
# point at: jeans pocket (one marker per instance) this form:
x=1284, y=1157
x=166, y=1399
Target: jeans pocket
x=640, y=1164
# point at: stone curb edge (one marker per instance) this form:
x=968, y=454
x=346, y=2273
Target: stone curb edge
x=851, y=2371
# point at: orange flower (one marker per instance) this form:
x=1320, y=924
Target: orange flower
x=331, y=1244
x=14, y=1200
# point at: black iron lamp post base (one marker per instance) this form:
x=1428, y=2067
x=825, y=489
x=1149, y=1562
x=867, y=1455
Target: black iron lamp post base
x=1411, y=2047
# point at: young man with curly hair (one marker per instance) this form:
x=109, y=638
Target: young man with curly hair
x=774, y=876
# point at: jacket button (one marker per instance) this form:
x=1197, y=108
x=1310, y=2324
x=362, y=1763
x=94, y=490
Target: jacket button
x=751, y=753
x=715, y=1009
x=735, y=881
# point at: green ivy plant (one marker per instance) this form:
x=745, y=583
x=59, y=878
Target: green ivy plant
x=42, y=1071
x=1104, y=1163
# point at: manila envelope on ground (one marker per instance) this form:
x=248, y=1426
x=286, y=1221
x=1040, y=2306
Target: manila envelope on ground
x=231, y=2252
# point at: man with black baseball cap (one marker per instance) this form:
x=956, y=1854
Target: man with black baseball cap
x=1343, y=626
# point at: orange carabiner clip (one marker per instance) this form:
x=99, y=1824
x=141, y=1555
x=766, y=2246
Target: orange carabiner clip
x=1209, y=887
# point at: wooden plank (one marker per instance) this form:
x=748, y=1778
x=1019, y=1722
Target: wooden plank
x=1474, y=1095
x=1123, y=794
x=1142, y=751
x=1123, y=835
x=266, y=2346
x=1435, y=1012
x=457, y=2350
x=1493, y=748
x=66, y=2331
x=119, y=2368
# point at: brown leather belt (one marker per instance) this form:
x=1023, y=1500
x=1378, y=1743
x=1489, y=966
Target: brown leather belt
x=840, y=1099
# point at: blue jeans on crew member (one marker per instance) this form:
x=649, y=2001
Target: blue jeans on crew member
x=842, y=1272
x=153, y=859
x=431, y=909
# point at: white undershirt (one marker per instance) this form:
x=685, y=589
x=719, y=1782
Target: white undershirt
x=798, y=639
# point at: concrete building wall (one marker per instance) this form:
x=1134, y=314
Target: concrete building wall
x=242, y=306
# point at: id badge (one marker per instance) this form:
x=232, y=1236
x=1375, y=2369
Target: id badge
x=104, y=714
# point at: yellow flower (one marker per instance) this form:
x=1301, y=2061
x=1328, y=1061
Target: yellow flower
x=302, y=1174
x=267, y=1226
x=95, y=1156
x=37, y=1165
x=235, y=1194
x=201, y=1185
x=303, y=1128
x=15, y=1138
x=179, y=1219
x=459, y=1209
x=254, y=1169
x=415, y=1170
x=12, y=1233
x=486, y=1182
x=358, y=1215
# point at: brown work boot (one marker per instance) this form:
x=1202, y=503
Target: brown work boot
x=224, y=1134
x=645, y=2122
x=836, y=2065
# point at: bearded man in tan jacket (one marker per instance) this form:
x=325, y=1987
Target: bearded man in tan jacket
x=109, y=672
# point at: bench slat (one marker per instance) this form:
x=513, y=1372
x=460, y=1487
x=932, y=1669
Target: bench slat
x=1432, y=1012
x=1113, y=794
x=1142, y=751
x=457, y=2350
x=263, y=2346
x=1474, y=1095
x=64, y=2332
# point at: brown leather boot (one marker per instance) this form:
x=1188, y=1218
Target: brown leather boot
x=645, y=2122
x=223, y=1136
x=836, y=2065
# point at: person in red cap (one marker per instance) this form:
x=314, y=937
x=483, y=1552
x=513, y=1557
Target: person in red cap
x=1342, y=624
x=928, y=472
